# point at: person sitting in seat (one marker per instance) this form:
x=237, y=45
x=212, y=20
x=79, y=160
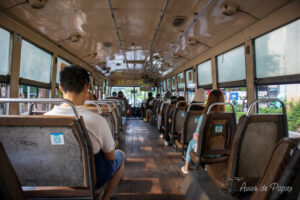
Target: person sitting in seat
x=114, y=94
x=214, y=97
x=160, y=119
x=150, y=98
x=124, y=102
x=109, y=163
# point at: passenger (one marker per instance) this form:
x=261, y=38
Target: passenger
x=150, y=98
x=200, y=97
x=214, y=97
x=160, y=119
x=124, y=102
x=109, y=163
x=114, y=94
x=174, y=100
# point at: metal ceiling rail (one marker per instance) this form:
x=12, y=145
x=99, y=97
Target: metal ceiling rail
x=189, y=26
x=118, y=34
x=155, y=33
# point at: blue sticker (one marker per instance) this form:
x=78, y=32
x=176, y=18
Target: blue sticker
x=197, y=119
x=57, y=138
x=219, y=128
x=182, y=114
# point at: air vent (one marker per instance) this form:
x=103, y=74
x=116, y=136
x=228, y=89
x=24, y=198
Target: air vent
x=178, y=20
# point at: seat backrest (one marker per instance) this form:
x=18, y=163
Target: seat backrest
x=216, y=134
x=178, y=119
x=45, y=150
x=253, y=145
x=285, y=157
x=10, y=187
x=168, y=112
x=190, y=124
x=163, y=110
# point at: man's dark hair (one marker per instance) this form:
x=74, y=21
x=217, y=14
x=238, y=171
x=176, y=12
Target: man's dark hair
x=73, y=78
x=150, y=94
x=114, y=94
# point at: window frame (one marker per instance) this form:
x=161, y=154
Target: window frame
x=183, y=88
x=185, y=84
x=231, y=84
x=207, y=86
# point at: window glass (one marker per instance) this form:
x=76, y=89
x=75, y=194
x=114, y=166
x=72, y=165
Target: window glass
x=231, y=65
x=189, y=79
x=61, y=63
x=165, y=85
x=180, y=82
x=290, y=95
x=4, y=94
x=238, y=97
x=127, y=91
x=204, y=73
x=277, y=53
x=36, y=63
x=190, y=96
x=5, y=43
x=173, y=83
x=169, y=84
x=181, y=93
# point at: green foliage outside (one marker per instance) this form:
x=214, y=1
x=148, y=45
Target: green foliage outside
x=293, y=113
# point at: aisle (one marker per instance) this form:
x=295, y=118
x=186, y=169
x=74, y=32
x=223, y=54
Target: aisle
x=152, y=171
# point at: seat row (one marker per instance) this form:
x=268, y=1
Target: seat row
x=235, y=156
x=50, y=157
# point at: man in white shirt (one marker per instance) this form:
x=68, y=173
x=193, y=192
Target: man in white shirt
x=109, y=163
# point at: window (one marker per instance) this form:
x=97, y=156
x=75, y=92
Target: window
x=277, y=53
x=181, y=93
x=169, y=84
x=204, y=73
x=190, y=96
x=61, y=63
x=290, y=95
x=33, y=93
x=173, y=83
x=180, y=82
x=189, y=79
x=238, y=97
x=5, y=51
x=231, y=65
x=36, y=64
x=164, y=85
x=4, y=87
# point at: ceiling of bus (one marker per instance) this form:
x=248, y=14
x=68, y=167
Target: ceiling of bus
x=136, y=22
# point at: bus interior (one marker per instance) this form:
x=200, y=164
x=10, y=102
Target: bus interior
x=154, y=67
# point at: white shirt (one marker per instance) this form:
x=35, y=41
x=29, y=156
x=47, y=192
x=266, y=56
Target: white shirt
x=98, y=129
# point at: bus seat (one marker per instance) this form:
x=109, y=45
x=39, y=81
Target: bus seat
x=169, y=109
x=177, y=121
x=215, y=138
x=47, y=152
x=10, y=186
x=163, y=110
x=282, y=168
x=189, y=127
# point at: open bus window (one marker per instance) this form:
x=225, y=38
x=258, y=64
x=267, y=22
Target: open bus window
x=180, y=82
x=4, y=87
x=238, y=97
x=190, y=96
x=290, y=95
x=33, y=93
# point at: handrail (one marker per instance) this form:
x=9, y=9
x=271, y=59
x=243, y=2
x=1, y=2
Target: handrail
x=42, y=101
x=220, y=103
x=94, y=103
x=266, y=100
x=189, y=107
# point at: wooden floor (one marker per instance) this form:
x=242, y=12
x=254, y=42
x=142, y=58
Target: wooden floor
x=152, y=171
